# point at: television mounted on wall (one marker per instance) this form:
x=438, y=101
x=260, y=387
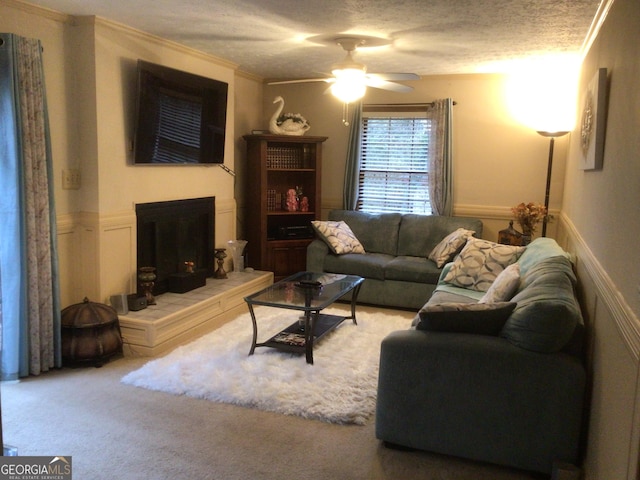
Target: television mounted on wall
x=180, y=117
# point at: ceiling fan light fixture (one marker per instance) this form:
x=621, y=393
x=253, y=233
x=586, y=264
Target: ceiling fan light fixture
x=350, y=84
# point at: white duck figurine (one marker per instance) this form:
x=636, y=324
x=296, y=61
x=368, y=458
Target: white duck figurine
x=287, y=124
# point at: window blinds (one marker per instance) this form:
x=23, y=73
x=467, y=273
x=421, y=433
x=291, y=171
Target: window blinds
x=394, y=166
x=178, y=130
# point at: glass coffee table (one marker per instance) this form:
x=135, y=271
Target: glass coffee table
x=309, y=293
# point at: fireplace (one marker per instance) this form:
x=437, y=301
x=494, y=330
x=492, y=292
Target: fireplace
x=174, y=232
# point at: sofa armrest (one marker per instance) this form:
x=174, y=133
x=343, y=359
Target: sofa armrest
x=479, y=397
x=316, y=251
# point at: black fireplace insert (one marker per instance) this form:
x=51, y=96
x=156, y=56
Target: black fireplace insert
x=171, y=233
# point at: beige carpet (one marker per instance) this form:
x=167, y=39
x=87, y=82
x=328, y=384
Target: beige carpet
x=118, y=432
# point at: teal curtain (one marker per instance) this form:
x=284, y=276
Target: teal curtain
x=352, y=164
x=441, y=157
x=28, y=253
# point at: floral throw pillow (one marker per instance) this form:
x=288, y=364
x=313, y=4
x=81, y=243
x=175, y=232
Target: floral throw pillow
x=480, y=262
x=504, y=286
x=449, y=246
x=338, y=236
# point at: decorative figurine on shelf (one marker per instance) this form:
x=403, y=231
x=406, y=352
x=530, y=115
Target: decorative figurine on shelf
x=287, y=123
x=189, y=266
x=220, y=255
x=292, y=200
x=147, y=277
x=304, y=204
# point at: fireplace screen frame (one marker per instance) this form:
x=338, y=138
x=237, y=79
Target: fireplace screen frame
x=170, y=233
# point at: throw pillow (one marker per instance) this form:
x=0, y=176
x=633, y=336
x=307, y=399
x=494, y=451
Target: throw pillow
x=480, y=262
x=504, y=286
x=477, y=318
x=449, y=246
x=338, y=236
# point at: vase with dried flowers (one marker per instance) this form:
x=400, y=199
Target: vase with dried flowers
x=528, y=215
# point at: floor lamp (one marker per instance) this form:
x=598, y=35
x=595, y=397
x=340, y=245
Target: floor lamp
x=552, y=137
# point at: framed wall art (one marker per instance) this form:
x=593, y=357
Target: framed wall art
x=593, y=122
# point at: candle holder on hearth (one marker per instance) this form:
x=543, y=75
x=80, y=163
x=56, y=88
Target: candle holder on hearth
x=147, y=277
x=220, y=254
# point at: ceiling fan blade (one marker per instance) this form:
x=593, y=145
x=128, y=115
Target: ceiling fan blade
x=302, y=80
x=384, y=85
x=394, y=76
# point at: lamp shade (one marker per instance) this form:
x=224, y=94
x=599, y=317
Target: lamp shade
x=350, y=84
x=542, y=94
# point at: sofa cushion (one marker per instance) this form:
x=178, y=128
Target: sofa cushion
x=504, y=286
x=540, y=249
x=480, y=262
x=412, y=269
x=419, y=234
x=378, y=233
x=547, y=311
x=477, y=318
x=449, y=246
x=369, y=265
x=338, y=236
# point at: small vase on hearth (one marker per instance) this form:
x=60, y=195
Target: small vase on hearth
x=237, y=249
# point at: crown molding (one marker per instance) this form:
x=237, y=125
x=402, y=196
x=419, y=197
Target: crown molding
x=596, y=25
x=249, y=76
x=165, y=43
x=38, y=10
x=118, y=27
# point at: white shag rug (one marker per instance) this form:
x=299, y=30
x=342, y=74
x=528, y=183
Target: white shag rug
x=340, y=387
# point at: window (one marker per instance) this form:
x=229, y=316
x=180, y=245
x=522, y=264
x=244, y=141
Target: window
x=394, y=163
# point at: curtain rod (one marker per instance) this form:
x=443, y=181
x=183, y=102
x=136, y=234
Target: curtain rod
x=400, y=105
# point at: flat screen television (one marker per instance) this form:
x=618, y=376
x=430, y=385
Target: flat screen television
x=180, y=117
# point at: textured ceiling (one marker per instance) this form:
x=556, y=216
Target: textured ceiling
x=268, y=38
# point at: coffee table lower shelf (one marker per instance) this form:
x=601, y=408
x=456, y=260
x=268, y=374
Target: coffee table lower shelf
x=293, y=338
x=307, y=293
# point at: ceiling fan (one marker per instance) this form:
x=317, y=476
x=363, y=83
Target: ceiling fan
x=350, y=78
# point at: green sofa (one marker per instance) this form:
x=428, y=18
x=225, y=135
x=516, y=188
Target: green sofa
x=396, y=269
x=512, y=397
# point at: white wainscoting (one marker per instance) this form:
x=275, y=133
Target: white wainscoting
x=612, y=358
x=97, y=251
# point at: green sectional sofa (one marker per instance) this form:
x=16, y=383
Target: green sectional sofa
x=511, y=395
x=395, y=266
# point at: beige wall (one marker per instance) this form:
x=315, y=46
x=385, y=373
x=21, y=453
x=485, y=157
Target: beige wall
x=497, y=162
x=601, y=226
x=90, y=67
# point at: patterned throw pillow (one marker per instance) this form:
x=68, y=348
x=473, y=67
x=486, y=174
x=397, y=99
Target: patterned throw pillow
x=449, y=245
x=504, y=286
x=480, y=262
x=338, y=236
x=478, y=318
